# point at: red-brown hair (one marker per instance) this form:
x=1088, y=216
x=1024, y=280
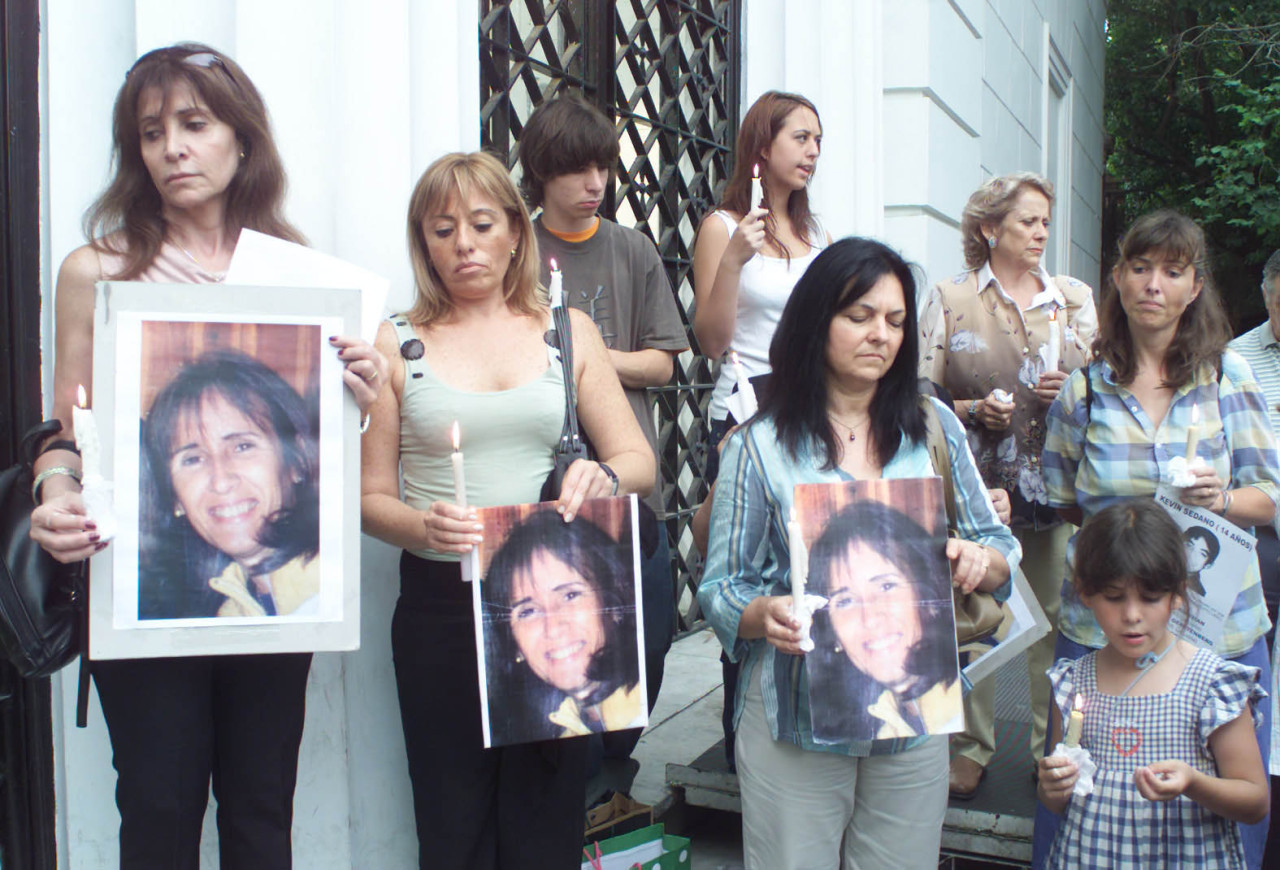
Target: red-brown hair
x=759, y=128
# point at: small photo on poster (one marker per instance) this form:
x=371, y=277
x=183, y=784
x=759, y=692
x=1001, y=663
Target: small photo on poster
x=885, y=662
x=1219, y=555
x=558, y=622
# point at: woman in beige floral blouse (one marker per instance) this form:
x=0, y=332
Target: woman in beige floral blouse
x=986, y=340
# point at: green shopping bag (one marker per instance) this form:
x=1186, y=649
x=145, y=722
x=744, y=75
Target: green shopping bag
x=650, y=848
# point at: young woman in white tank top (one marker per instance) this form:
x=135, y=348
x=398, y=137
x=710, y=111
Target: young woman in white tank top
x=749, y=256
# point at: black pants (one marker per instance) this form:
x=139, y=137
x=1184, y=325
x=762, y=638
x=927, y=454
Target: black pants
x=176, y=722
x=510, y=808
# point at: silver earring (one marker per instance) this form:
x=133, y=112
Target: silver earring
x=839, y=649
x=519, y=658
x=178, y=512
x=513, y=252
x=991, y=242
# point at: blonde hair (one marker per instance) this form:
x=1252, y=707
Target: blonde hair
x=991, y=204
x=462, y=175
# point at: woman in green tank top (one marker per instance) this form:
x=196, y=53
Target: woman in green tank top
x=473, y=350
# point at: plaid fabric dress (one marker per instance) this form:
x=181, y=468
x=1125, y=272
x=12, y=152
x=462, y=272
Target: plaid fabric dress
x=1115, y=826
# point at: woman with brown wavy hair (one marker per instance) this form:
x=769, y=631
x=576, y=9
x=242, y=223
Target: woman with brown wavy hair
x=1122, y=424
x=193, y=164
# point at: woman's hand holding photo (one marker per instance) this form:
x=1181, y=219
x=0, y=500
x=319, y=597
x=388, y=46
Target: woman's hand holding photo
x=583, y=479
x=970, y=564
x=364, y=369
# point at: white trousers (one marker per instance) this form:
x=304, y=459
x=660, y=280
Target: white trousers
x=821, y=811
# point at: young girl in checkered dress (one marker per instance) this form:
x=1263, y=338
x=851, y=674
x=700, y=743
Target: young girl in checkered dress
x=1170, y=725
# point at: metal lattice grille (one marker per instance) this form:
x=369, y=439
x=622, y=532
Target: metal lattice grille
x=666, y=73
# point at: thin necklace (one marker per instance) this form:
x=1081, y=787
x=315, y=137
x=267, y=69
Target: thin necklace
x=852, y=435
x=1146, y=662
x=199, y=265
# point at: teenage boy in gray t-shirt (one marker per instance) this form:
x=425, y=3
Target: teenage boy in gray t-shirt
x=614, y=274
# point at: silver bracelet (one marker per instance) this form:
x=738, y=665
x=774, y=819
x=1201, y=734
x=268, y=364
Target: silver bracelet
x=1226, y=503
x=48, y=473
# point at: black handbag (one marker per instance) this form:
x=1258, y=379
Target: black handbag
x=41, y=599
x=573, y=444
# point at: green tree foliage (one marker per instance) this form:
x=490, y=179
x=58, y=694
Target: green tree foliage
x=1192, y=114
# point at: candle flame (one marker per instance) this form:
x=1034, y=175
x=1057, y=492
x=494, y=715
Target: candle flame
x=1195, y=414
x=755, y=170
x=733, y=357
x=1079, y=703
x=1053, y=314
x=457, y=437
x=554, y=267
x=81, y=398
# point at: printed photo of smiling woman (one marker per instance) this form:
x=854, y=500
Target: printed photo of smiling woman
x=559, y=619
x=885, y=664
x=229, y=499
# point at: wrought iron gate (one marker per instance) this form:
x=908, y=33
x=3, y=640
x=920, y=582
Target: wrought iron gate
x=666, y=73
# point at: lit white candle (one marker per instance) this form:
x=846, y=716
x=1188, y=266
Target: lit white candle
x=757, y=192
x=1075, y=723
x=799, y=560
x=1054, y=354
x=96, y=493
x=799, y=554
x=556, y=290
x=86, y=430
x=470, y=561
x=747, y=403
x=1193, y=433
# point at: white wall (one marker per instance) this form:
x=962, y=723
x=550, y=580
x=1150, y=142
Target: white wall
x=363, y=97
x=966, y=98
x=828, y=51
x=922, y=100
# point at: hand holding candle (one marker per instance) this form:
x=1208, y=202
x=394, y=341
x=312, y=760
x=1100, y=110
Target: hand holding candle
x=757, y=192
x=96, y=492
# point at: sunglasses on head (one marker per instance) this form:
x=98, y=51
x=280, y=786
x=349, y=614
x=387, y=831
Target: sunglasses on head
x=201, y=59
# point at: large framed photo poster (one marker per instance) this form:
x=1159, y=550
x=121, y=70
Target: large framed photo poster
x=233, y=448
